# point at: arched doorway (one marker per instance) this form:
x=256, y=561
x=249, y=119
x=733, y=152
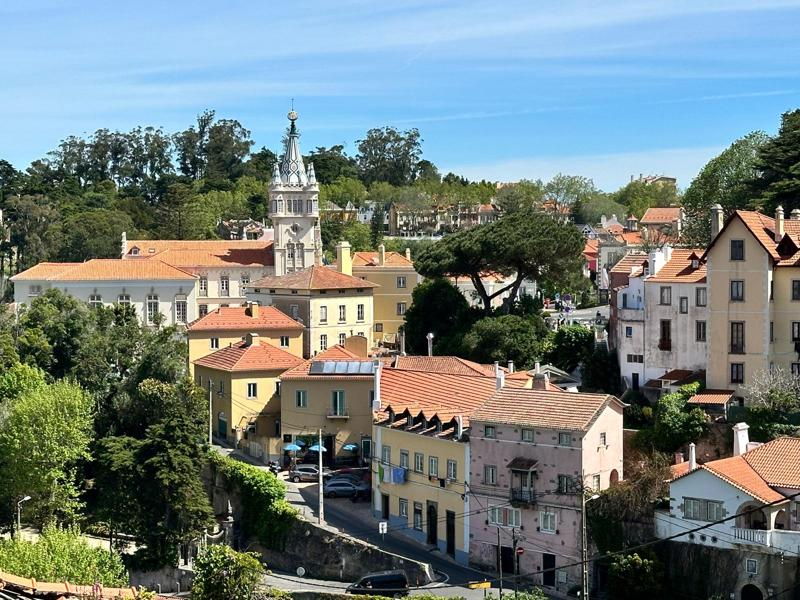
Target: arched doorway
x=751, y=592
x=614, y=477
x=433, y=520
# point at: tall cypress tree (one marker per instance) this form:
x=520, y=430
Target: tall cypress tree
x=778, y=164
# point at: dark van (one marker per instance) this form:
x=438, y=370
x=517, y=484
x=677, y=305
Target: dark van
x=382, y=583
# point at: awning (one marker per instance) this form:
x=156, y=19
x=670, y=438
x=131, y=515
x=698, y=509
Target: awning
x=711, y=397
x=520, y=463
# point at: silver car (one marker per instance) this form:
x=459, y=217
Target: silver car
x=308, y=473
x=345, y=488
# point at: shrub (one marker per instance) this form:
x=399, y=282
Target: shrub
x=221, y=573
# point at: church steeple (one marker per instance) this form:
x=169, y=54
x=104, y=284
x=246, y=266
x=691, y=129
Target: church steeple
x=293, y=171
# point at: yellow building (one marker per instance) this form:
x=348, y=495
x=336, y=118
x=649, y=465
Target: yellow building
x=395, y=275
x=331, y=304
x=225, y=326
x=753, y=297
x=243, y=382
x=334, y=392
x=421, y=468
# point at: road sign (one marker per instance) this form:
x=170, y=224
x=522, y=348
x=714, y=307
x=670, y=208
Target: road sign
x=479, y=585
x=520, y=551
x=383, y=526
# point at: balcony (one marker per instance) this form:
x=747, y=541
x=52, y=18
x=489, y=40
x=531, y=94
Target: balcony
x=523, y=496
x=751, y=536
x=338, y=414
x=737, y=349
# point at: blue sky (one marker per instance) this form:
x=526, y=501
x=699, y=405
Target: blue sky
x=499, y=90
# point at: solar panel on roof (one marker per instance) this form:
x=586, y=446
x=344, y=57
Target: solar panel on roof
x=341, y=367
x=317, y=367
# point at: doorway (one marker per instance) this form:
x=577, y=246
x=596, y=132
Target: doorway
x=635, y=381
x=751, y=592
x=433, y=524
x=222, y=426
x=450, y=532
x=549, y=569
x=507, y=555
x=385, y=507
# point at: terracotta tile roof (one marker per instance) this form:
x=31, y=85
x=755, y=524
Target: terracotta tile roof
x=238, y=318
x=679, y=268
x=451, y=365
x=613, y=229
x=679, y=470
x=736, y=471
x=108, y=269
x=777, y=462
x=630, y=238
x=591, y=247
x=676, y=375
x=538, y=408
x=711, y=397
x=336, y=352
x=390, y=259
x=229, y=257
x=313, y=278
x=43, y=271
x=655, y=216
x=761, y=226
x=630, y=263
x=259, y=356
x=150, y=247
x=487, y=208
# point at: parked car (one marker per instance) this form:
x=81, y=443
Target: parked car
x=308, y=473
x=355, y=478
x=381, y=583
x=345, y=488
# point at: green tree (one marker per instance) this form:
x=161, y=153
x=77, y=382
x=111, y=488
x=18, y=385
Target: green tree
x=675, y=424
x=600, y=372
x=507, y=337
x=221, y=573
x=572, y=345
x=568, y=191
x=386, y=154
x=638, y=196
x=342, y=191
x=517, y=196
x=227, y=147
x=724, y=180
x=632, y=577
x=31, y=225
x=331, y=164
x=358, y=235
x=777, y=182
x=437, y=307
x=260, y=164
x=94, y=234
x=191, y=146
x=427, y=172
x=20, y=380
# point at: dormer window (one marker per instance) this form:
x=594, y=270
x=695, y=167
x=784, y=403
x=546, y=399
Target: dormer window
x=695, y=263
x=134, y=251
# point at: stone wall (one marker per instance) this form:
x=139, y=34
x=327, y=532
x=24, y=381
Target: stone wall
x=164, y=580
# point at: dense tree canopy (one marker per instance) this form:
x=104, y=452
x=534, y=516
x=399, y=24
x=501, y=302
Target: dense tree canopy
x=389, y=155
x=777, y=182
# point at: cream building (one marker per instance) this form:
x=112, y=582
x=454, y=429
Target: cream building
x=331, y=304
x=226, y=326
x=152, y=288
x=395, y=274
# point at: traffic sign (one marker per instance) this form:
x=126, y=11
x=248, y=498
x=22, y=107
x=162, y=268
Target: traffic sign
x=383, y=526
x=479, y=585
x=520, y=551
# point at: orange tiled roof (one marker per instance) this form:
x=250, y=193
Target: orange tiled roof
x=777, y=462
x=259, y=356
x=108, y=269
x=232, y=257
x=676, y=374
x=736, y=471
x=656, y=216
x=591, y=246
x=679, y=470
x=336, y=352
x=390, y=259
x=150, y=247
x=539, y=408
x=313, y=278
x=679, y=268
x=631, y=262
x=707, y=397
x=631, y=238
x=238, y=318
x=43, y=271
x=452, y=365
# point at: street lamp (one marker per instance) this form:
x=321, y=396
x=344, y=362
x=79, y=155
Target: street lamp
x=584, y=545
x=19, y=515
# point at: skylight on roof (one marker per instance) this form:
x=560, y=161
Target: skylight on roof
x=341, y=367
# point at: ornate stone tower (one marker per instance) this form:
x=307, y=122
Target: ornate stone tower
x=294, y=209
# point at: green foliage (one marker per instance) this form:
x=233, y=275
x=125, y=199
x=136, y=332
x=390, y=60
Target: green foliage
x=600, y=372
x=386, y=154
x=267, y=515
x=591, y=210
x=331, y=164
x=778, y=177
x=521, y=195
x=62, y=555
x=572, y=345
x=506, y=337
x=221, y=573
x=766, y=423
x=44, y=433
x=342, y=191
x=437, y=307
x=632, y=577
x=638, y=196
x=95, y=233
x=20, y=380
x=674, y=423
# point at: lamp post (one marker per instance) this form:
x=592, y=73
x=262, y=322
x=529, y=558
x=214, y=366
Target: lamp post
x=585, y=545
x=19, y=515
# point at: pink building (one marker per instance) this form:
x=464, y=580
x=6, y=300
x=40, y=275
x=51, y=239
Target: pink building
x=531, y=453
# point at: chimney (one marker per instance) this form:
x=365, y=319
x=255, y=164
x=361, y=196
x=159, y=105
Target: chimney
x=381, y=255
x=402, y=335
x=795, y=214
x=716, y=220
x=537, y=368
x=376, y=400
x=408, y=253
x=678, y=458
x=459, y=427
x=254, y=310
x=250, y=339
x=692, y=457
x=778, y=224
x=429, y=337
x=499, y=376
x=124, y=239
x=511, y=366
x=344, y=262
x=603, y=221
x=740, y=438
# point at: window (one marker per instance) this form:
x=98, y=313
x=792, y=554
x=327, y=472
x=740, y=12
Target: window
x=294, y=311
x=489, y=431
x=378, y=327
x=547, y=521
x=624, y=300
x=403, y=508
x=737, y=249
x=700, y=331
x=95, y=301
x=603, y=438
x=564, y=439
x=342, y=338
x=360, y=312
x=342, y=313
x=323, y=342
x=224, y=286
x=795, y=289
x=252, y=390
x=401, y=308
x=683, y=303
x=386, y=454
x=665, y=296
x=795, y=368
x=284, y=341
x=418, y=516
x=635, y=358
x=737, y=290
x=323, y=314
x=737, y=337
x=180, y=311
x=692, y=509
x=404, y=458
x=628, y=332
x=452, y=470
x=433, y=466
x=221, y=388
x=505, y=517
x=204, y=286
x=301, y=399
x=737, y=372
x=796, y=331
x=152, y=309
x=244, y=280
x=564, y=484
x=527, y=435
x=419, y=461
x=716, y=511
x=338, y=407
x=665, y=341
x=595, y=482
x=124, y=299
x=214, y=343
x=700, y=297
x=561, y=574
x=489, y=475
x=202, y=310
x=751, y=566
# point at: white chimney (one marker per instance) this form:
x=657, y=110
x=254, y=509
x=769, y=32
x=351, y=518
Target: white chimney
x=692, y=457
x=250, y=339
x=778, y=224
x=430, y=344
x=402, y=335
x=603, y=221
x=376, y=400
x=511, y=366
x=499, y=376
x=381, y=255
x=124, y=239
x=459, y=427
x=795, y=214
x=716, y=220
x=408, y=253
x=537, y=368
x=740, y=438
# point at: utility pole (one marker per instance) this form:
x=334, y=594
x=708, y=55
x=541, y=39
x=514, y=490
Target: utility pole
x=515, y=559
x=210, y=414
x=500, y=561
x=584, y=550
x=321, y=500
